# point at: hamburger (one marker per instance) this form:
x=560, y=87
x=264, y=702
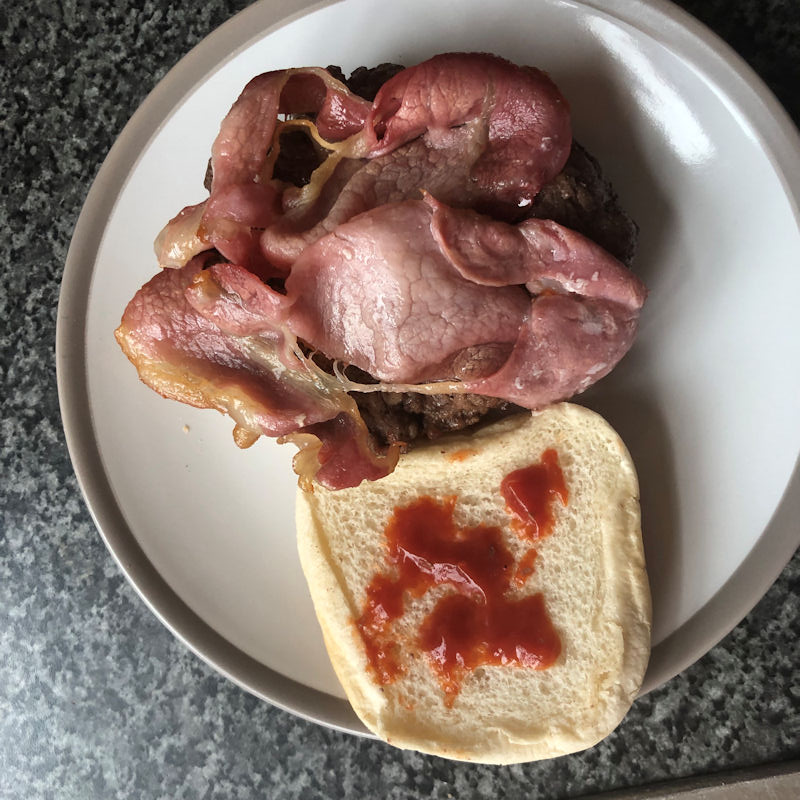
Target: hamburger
x=422, y=262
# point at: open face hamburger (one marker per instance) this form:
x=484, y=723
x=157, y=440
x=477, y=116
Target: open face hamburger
x=384, y=260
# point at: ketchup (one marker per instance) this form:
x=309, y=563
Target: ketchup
x=525, y=567
x=477, y=622
x=462, y=455
x=529, y=494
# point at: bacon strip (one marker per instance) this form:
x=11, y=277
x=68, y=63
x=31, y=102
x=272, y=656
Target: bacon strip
x=405, y=290
x=186, y=356
x=473, y=130
x=240, y=153
x=213, y=339
x=539, y=253
x=243, y=194
x=525, y=118
x=380, y=294
x=566, y=344
x=362, y=185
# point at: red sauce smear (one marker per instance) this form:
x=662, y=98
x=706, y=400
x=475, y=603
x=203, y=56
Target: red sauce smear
x=462, y=455
x=525, y=567
x=529, y=493
x=476, y=623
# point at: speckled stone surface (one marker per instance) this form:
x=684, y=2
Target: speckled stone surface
x=97, y=699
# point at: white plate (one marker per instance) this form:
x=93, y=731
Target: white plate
x=702, y=156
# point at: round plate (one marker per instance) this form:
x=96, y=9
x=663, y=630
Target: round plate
x=704, y=159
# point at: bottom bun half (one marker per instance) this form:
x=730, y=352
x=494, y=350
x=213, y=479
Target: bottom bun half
x=589, y=572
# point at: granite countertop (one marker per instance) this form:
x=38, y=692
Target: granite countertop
x=97, y=699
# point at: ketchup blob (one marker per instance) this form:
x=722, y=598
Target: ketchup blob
x=529, y=494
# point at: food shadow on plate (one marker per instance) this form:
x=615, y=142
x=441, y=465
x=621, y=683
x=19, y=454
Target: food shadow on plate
x=641, y=424
x=606, y=122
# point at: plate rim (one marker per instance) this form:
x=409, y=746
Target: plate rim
x=693, y=639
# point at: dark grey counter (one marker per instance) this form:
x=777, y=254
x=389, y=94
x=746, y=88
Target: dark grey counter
x=97, y=699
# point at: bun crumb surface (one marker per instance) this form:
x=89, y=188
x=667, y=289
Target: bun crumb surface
x=590, y=571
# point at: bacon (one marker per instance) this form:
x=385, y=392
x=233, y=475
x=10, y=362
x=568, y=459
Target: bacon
x=185, y=355
x=471, y=129
x=179, y=241
x=239, y=304
x=243, y=193
x=404, y=291
x=379, y=293
x=213, y=339
x=360, y=186
x=381, y=261
x=525, y=118
x=493, y=133
x=339, y=453
x=538, y=253
x=240, y=153
x=566, y=344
